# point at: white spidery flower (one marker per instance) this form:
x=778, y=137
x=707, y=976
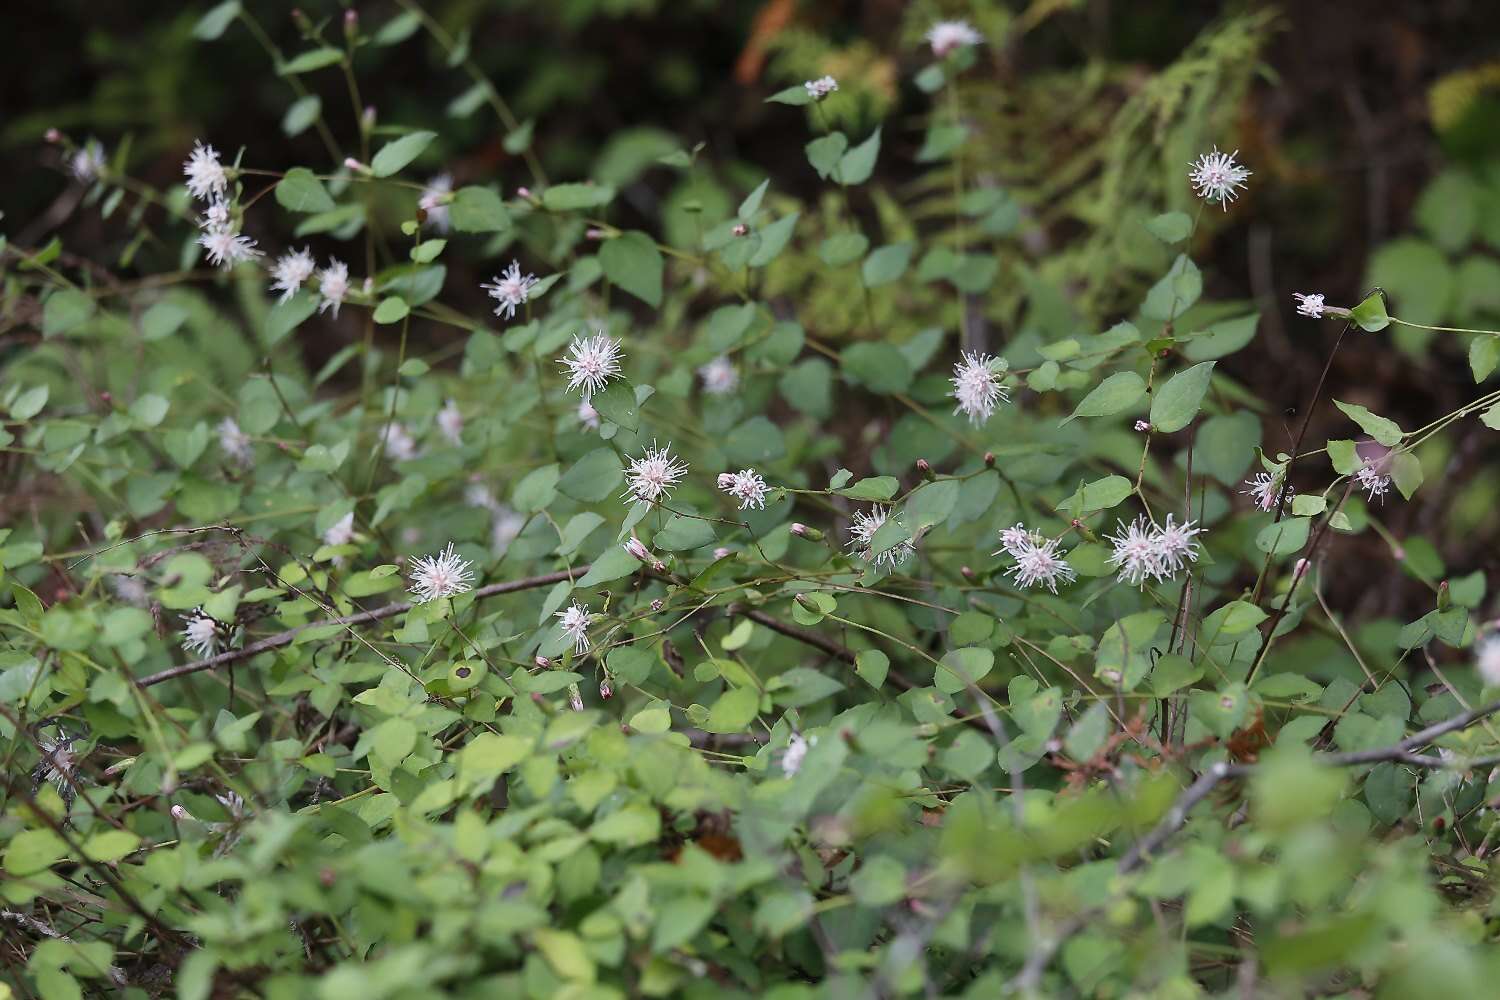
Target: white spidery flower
x=862, y=531
x=1373, y=481
x=945, y=36
x=340, y=532
x=1015, y=540
x=1039, y=562
x=1136, y=552
x=1176, y=545
x=796, y=752
x=719, y=376
x=504, y=527
x=1267, y=489
x=653, y=476
x=821, y=87
x=201, y=634
x=130, y=589
x=333, y=285
x=746, y=486
x=976, y=387
x=1309, y=305
x=434, y=201
x=87, y=162
x=234, y=442
x=226, y=247
x=58, y=766
x=450, y=421
x=205, y=174
x=510, y=289
x=575, y=620
x=1487, y=659
x=290, y=271
x=443, y=575
x=216, y=216
x=399, y=445
x=1215, y=177
x=588, y=416
x=591, y=362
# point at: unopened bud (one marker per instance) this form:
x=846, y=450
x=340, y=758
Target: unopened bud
x=368, y=286
x=523, y=192
x=1143, y=425
x=352, y=164
x=967, y=571
x=925, y=468
x=105, y=397
x=1444, y=598
x=726, y=481
x=367, y=120
x=543, y=663
x=53, y=135
x=575, y=700
x=605, y=691
x=181, y=815
x=593, y=233
x=326, y=878
x=740, y=229
x=351, y=22
x=658, y=604
x=803, y=531
x=989, y=460
x=721, y=552
x=300, y=19
x=639, y=551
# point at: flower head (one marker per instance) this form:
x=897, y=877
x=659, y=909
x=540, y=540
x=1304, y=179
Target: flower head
x=201, y=634
x=226, y=247
x=821, y=88
x=1039, y=562
x=205, y=174
x=1136, y=552
x=591, y=362
x=399, y=445
x=640, y=553
x=130, y=589
x=1215, y=177
x=653, y=476
x=587, y=415
x=795, y=753
x=746, y=486
x=1268, y=489
x=1176, y=545
x=575, y=620
x=976, y=386
x=1016, y=539
x=443, y=575
x=1309, y=305
x=235, y=442
x=510, y=289
x=450, y=421
x=1487, y=659
x=58, y=766
x=434, y=201
x=945, y=36
x=1373, y=481
x=333, y=285
x=862, y=533
x=290, y=271
x=719, y=376
x=340, y=532
x=87, y=162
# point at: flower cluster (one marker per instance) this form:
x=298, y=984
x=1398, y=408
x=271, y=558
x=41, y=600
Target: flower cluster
x=1037, y=559
x=652, y=477
x=1267, y=489
x=976, y=386
x=591, y=362
x=862, y=534
x=1373, y=480
x=821, y=87
x=946, y=36
x=446, y=574
x=510, y=289
x=1145, y=550
x=746, y=486
x=207, y=180
x=575, y=619
x=1216, y=177
x=202, y=634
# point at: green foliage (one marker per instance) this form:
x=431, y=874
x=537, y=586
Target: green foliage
x=763, y=683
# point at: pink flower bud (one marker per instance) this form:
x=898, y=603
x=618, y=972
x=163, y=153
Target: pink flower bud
x=1143, y=425
x=605, y=691
x=726, y=481
x=356, y=166
x=740, y=229
x=543, y=662
x=180, y=814
x=593, y=233
x=523, y=192
x=575, y=701
x=721, y=552
x=799, y=529
x=53, y=135
x=639, y=551
x=658, y=604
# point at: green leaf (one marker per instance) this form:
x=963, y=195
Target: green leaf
x=1102, y=494
x=1175, y=293
x=773, y=239
x=1382, y=429
x=734, y=711
x=826, y=152
x=1117, y=392
x=478, y=210
x=575, y=197
x=31, y=851
x=617, y=403
x=301, y=115
x=633, y=262
x=856, y=166
x=1284, y=537
x=396, y=154
x=110, y=845
x=300, y=191
x=29, y=403
x=593, y=477
x=846, y=248
x=961, y=667
x=1177, y=403
x=218, y=19
x=1370, y=314
x=309, y=61
x=391, y=310
x=878, y=367
x=1171, y=227
x=65, y=311
x=752, y=201
x=795, y=96
x=872, y=666
x=886, y=264
x=1484, y=353
x=1406, y=471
